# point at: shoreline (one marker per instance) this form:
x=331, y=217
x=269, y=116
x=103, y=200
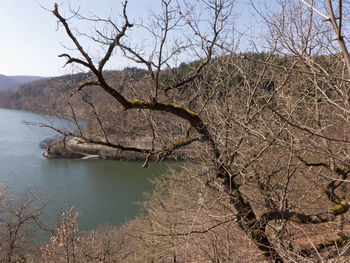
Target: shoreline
x=76, y=148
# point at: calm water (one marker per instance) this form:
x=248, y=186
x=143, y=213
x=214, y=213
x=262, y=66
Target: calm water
x=102, y=191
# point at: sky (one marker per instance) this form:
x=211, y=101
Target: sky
x=30, y=42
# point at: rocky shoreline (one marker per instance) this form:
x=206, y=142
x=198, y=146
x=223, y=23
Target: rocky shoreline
x=77, y=148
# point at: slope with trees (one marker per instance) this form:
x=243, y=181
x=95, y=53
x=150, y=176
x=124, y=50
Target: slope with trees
x=13, y=82
x=271, y=139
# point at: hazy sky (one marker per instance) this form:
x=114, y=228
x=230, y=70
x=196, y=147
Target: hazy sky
x=30, y=42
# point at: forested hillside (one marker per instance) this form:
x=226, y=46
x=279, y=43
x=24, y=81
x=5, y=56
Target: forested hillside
x=269, y=130
x=13, y=82
x=45, y=95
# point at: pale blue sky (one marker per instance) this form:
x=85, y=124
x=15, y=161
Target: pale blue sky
x=30, y=43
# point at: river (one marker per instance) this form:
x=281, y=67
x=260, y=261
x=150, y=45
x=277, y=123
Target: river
x=101, y=191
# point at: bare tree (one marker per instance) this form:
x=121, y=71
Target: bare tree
x=270, y=131
x=20, y=216
x=69, y=244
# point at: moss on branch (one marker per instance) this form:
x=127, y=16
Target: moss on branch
x=170, y=148
x=302, y=218
x=160, y=106
x=339, y=242
x=340, y=209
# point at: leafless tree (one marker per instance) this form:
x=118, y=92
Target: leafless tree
x=19, y=215
x=270, y=131
x=69, y=244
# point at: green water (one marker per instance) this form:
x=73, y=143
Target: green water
x=102, y=191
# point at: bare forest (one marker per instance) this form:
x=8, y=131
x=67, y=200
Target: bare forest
x=264, y=115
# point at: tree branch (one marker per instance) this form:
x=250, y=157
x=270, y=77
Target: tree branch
x=89, y=63
x=302, y=218
x=86, y=84
x=340, y=242
x=116, y=39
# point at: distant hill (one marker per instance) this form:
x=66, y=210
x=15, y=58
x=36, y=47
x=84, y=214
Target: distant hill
x=13, y=82
x=50, y=94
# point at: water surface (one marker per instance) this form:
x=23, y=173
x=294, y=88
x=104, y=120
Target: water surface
x=102, y=191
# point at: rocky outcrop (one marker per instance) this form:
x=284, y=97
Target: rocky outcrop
x=77, y=148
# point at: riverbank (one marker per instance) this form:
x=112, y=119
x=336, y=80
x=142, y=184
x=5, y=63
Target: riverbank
x=77, y=148
x=102, y=191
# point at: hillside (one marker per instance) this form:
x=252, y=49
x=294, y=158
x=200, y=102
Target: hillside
x=103, y=117
x=260, y=137
x=13, y=82
x=46, y=94
x=25, y=79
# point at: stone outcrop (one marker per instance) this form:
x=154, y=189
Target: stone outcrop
x=77, y=148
